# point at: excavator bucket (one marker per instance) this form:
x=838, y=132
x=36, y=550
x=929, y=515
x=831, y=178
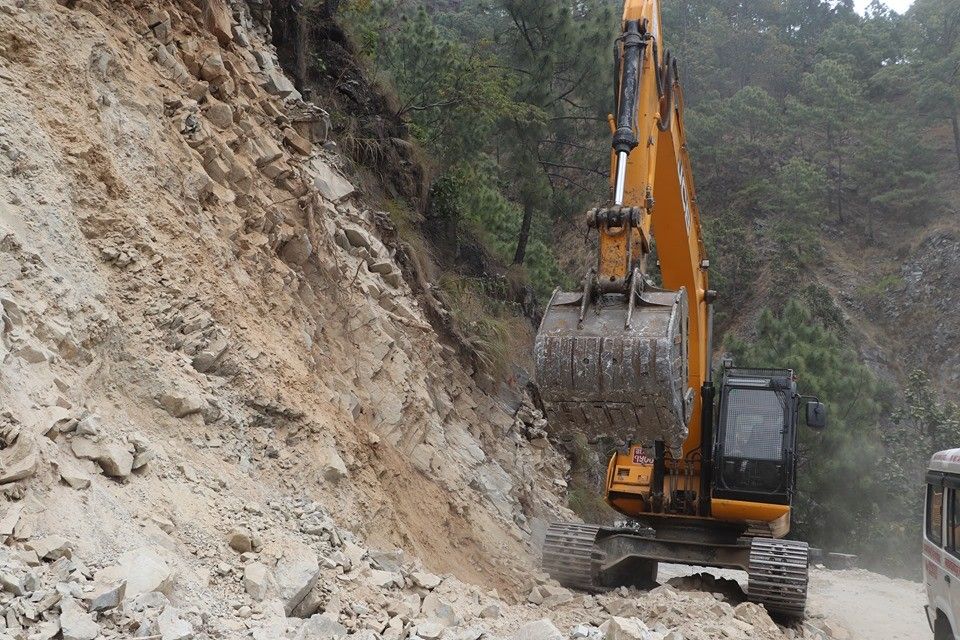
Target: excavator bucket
x=609, y=370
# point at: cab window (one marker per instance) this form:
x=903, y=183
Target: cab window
x=935, y=514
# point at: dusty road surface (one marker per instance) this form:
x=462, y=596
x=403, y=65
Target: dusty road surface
x=870, y=606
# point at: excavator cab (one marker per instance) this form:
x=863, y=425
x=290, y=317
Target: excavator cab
x=756, y=436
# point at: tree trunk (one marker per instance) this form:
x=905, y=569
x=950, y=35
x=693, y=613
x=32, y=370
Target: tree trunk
x=521, y=253
x=840, y=187
x=956, y=135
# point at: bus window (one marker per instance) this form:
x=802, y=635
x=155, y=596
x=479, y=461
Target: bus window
x=953, y=520
x=935, y=514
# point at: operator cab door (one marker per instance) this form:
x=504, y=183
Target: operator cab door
x=755, y=442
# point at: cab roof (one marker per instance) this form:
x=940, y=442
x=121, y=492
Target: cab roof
x=947, y=461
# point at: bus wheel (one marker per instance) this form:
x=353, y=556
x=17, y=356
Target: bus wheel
x=942, y=630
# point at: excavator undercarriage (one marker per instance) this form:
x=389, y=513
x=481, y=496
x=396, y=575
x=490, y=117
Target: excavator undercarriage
x=706, y=474
x=594, y=558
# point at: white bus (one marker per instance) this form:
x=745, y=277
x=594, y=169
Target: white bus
x=941, y=544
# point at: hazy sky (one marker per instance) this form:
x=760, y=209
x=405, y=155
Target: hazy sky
x=897, y=5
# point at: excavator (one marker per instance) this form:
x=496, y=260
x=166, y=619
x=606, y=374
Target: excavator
x=705, y=471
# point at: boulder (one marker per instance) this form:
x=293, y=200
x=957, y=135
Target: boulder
x=430, y=630
x=384, y=579
x=296, y=250
x=9, y=520
x=554, y=596
x=73, y=475
x=756, y=616
x=216, y=17
x=383, y=267
x=240, y=540
x=617, y=628
x=19, y=461
x=320, y=627
x=220, y=115
x=143, y=570
x=394, y=279
x=52, y=548
x=88, y=426
x=434, y=608
x=538, y=630
x=386, y=560
x=296, y=573
x=115, y=460
x=172, y=626
x=75, y=623
x=330, y=184
x=108, y=596
x=180, y=405
x=11, y=584
x=406, y=607
x=426, y=580
x=297, y=142
x=212, y=68
x=359, y=237
x=332, y=465
x=257, y=580
x=277, y=84
x=208, y=358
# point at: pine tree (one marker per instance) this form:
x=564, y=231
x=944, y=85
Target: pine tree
x=836, y=467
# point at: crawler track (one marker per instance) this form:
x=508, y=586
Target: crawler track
x=778, y=575
x=570, y=555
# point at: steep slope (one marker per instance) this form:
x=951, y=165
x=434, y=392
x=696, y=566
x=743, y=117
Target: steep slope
x=188, y=277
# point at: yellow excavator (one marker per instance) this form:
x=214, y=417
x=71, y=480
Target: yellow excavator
x=706, y=473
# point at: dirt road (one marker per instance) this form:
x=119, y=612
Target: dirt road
x=869, y=605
